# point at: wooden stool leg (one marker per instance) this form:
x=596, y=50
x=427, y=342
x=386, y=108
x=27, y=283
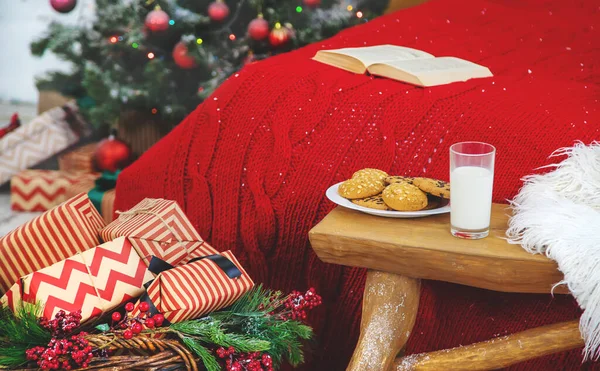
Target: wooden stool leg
x=388, y=315
x=499, y=352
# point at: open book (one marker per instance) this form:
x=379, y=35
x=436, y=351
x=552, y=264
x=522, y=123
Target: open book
x=403, y=64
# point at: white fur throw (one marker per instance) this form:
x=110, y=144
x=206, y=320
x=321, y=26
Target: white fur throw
x=558, y=214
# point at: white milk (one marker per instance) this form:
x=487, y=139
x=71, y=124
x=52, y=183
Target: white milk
x=471, y=197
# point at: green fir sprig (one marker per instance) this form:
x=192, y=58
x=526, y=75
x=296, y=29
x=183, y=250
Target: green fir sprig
x=20, y=331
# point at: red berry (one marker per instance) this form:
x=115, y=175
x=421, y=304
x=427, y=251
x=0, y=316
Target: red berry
x=143, y=307
x=158, y=319
x=230, y=350
x=129, y=307
x=127, y=334
x=149, y=323
x=116, y=316
x=137, y=328
x=123, y=325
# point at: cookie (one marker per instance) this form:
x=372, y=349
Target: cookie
x=373, y=202
x=398, y=179
x=360, y=188
x=434, y=202
x=404, y=197
x=434, y=187
x=374, y=174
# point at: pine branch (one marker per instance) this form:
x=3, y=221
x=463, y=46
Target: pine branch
x=209, y=361
x=20, y=331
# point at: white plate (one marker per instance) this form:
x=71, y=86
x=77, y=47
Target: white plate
x=332, y=194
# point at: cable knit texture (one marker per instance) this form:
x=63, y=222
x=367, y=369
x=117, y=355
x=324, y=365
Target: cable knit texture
x=250, y=166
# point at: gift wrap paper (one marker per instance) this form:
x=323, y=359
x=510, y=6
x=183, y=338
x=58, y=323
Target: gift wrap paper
x=57, y=234
x=34, y=142
x=192, y=290
x=94, y=281
x=78, y=160
x=158, y=227
x=41, y=190
x=108, y=199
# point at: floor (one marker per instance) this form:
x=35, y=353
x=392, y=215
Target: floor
x=9, y=219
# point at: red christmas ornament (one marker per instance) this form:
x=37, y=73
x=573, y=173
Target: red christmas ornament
x=279, y=36
x=63, y=6
x=112, y=154
x=313, y=3
x=182, y=58
x=157, y=20
x=258, y=28
x=218, y=11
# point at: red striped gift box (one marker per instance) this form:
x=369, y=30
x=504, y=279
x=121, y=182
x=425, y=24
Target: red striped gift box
x=51, y=237
x=41, y=190
x=94, y=281
x=78, y=160
x=192, y=290
x=158, y=227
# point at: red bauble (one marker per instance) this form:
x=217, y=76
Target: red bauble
x=182, y=58
x=63, y=6
x=312, y=2
x=218, y=11
x=258, y=28
x=157, y=20
x=279, y=36
x=112, y=154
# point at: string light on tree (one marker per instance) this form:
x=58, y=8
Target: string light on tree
x=359, y=14
x=63, y=6
x=258, y=28
x=151, y=55
x=218, y=11
x=157, y=20
x=113, y=39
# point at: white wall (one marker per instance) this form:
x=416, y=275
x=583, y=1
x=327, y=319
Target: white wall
x=22, y=21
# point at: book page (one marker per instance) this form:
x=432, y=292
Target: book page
x=436, y=65
x=381, y=53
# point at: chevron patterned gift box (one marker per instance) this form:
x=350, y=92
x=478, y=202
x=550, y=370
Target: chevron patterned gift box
x=53, y=236
x=158, y=227
x=197, y=288
x=94, y=281
x=41, y=190
x=44, y=136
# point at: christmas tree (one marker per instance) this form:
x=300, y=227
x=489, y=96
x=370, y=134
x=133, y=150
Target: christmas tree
x=165, y=56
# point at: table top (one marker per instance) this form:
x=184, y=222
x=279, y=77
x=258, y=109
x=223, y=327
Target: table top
x=425, y=248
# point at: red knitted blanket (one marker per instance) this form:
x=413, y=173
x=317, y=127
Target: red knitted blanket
x=252, y=163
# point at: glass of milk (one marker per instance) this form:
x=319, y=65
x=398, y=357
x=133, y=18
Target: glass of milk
x=471, y=183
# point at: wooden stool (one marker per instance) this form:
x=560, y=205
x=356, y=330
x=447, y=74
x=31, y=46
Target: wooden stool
x=400, y=252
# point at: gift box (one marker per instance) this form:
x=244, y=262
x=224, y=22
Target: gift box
x=41, y=190
x=79, y=160
x=44, y=136
x=101, y=192
x=158, y=227
x=197, y=288
x=94, y=281
x=57, y=234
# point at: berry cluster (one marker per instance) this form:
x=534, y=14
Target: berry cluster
x=297, y=304
x=62, y=324
x=134, y=325
x=64, y=353
x=254, y=361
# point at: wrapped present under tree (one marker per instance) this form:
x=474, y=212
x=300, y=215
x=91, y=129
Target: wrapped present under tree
x=80, y=159
x=194, y=289
x=62, y=232
x=100, y=190
x=158, y=227
x=44, y=136
x=93, y=282
x=41, y=190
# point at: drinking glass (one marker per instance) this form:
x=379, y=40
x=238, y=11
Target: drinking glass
x=471, y=184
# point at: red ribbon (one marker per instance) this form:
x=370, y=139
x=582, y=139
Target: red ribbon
x=14, y=123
